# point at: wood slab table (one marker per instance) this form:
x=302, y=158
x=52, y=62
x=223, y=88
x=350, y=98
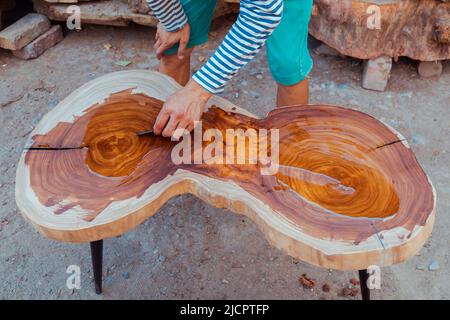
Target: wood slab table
x=348, y=193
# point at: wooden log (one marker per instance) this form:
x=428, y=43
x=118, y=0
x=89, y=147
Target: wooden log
x=105, y=12
x=419, y=29
x=348, y=192
x=39, y=45
x=112, y=12
x=66, y=1
x=22, y=32
x=137, y=6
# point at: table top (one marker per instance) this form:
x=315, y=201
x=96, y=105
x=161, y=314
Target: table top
x=348, y=192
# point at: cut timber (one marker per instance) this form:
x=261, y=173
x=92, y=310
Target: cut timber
x=106, y=12
x=140, y=6
x=22, y=32
x=66, y=1
x=349, y=192
x=39, y=45
x=112, y=12
x=419, y=29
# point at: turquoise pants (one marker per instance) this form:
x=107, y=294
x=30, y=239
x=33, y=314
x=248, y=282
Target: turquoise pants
x=287, y=48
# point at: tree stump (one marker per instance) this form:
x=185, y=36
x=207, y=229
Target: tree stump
x=380, y=29
x=348, y=192
x=418, y=29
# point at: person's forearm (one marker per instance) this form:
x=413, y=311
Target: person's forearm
x=169, y=12
x=256, y=22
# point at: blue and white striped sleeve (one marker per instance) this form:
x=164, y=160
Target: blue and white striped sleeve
x=169, y=12
x=256, y=21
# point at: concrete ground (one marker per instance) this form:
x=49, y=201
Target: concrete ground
x=189, y=249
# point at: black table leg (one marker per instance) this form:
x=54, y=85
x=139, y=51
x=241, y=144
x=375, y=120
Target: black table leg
x=97, y=261
x=365, y=291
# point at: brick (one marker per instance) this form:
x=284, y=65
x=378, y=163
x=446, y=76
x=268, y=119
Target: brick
x=376, y=73
x=430, y=69
x=39, y=45
x=22, y=32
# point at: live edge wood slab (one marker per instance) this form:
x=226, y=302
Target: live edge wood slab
x=349, y=192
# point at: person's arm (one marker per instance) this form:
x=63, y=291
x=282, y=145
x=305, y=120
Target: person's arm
x=256, y=21
x=173, y=27
x=169, y=12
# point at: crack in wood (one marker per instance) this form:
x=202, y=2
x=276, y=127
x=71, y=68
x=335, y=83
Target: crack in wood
x=377, y=233
x=390, y=143
x=386, y=144
x=55, y=149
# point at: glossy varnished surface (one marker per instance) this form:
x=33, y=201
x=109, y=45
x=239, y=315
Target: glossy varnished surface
x=341, y=176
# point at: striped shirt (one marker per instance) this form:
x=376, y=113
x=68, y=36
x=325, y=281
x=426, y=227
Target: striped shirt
x=256, y=22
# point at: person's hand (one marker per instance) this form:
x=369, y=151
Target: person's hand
x=181, y=110
x=166, y=39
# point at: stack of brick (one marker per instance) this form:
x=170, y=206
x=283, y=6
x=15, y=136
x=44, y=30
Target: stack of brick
x=30, y=36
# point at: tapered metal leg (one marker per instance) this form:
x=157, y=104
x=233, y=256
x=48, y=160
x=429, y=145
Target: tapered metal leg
x=365, y=291
x=97, y=262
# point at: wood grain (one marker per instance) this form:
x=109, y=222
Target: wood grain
x=418, y=29
x=349, y=192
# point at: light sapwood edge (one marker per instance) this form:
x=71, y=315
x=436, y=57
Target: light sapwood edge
x=125, y=215
x=281, y=234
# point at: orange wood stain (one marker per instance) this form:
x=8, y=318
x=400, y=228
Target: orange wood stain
x=328, y=165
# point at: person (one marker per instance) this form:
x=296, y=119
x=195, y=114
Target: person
x=280, y=24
